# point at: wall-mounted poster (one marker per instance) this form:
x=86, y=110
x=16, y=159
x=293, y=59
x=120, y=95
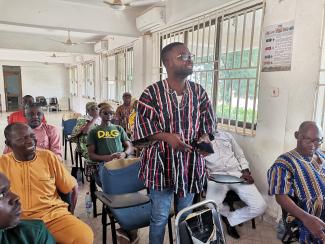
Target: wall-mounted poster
x=277, y=47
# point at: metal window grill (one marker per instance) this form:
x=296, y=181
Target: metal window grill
x=119, y=72
x=73, y=77
x=226, y=45
x=319, y=105
x=88, y=83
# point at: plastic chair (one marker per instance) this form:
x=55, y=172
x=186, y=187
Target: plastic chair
x=68, y=125
x=121, y=199
x=53, y=103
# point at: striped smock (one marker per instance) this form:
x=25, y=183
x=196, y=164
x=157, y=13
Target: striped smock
x=304, y=179
x=159, y=111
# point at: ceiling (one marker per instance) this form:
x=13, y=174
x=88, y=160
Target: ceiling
x=40, y=25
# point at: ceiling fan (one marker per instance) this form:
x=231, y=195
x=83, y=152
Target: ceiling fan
x=122, y=4
x=54, y=55
x=69, y=42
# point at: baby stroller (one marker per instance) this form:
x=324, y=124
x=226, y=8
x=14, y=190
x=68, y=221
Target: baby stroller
x=202, y=226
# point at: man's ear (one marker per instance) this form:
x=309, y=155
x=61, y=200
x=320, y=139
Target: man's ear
x=296, y=135
x=7, y=143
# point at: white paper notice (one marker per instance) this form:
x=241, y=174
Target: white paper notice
x=277, y=47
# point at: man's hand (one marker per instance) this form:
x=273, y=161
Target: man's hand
x=204, y=138
x=175, y=141
x=246, y=175
x=315, y=225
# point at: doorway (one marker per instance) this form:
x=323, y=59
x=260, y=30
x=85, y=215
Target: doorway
x=12, y=85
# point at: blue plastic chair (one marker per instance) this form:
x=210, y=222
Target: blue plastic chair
x=68, y=126
x=122, y=201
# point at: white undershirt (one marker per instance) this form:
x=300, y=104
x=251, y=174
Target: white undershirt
x=179, y=99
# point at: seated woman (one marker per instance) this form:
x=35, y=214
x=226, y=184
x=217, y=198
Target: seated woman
x=12, y=228
x=107, y=141
x=84, y=125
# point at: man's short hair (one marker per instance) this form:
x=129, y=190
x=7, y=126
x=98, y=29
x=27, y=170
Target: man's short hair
x=10, y=128
x=34, y=105
x=127, y=94
x=165, y=51
x=28, y=96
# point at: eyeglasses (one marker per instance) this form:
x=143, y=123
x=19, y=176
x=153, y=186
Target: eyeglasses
x=186, y=56
x=108, y=113
x=317, y=141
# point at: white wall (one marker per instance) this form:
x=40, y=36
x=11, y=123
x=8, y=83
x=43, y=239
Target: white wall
x=40, y=80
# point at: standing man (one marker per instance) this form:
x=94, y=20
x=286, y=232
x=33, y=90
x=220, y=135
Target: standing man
x=172, y=113
x=123, y=111
x=297, y=179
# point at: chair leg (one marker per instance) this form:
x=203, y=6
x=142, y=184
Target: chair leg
x=81, y=168
x=92, y=186
x=253, y=224
x=170, y=231
x=65, y=149
x=104, y=223
x=113, y=229
x=71, y=152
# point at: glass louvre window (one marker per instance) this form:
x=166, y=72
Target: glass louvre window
x=120, y=73
x=226, y=46
x=73, y=77
x=88, y=88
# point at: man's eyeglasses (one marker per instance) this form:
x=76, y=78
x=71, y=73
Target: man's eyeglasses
x=317, y=141
x=108, y=113
x=186, y=56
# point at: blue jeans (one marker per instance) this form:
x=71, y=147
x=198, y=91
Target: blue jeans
x=160, y=208
x=98, y=175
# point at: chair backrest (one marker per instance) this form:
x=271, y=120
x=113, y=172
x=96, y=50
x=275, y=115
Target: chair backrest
x=53, y=101
x=41, y=100
x=68, y=126
x=72, y=115
x=121, y=176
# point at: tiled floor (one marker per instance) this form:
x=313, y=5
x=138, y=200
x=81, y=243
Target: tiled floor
x=264, y=233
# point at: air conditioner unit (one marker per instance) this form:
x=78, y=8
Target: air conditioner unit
x=151, y=19
x=101, y=46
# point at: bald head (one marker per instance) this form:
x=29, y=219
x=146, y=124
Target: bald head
x=309, y=138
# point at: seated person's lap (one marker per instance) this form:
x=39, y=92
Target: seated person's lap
x=69, y=229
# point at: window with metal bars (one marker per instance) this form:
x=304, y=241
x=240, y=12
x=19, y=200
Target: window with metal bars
x=119, y=72
x=227, y=62
x=88, y=85
x=73, y=77
x=319, y=111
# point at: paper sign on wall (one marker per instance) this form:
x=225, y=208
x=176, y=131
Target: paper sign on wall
x=277, y=47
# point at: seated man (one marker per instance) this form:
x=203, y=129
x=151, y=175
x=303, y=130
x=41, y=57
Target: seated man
x=36, y=176
x=19, y=116
x=229, y=159
x=14, y=230
x=47, y=136
x=299, y=173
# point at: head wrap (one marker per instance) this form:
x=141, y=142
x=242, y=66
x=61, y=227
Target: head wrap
x=90, y=104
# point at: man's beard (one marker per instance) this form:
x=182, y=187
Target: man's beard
x=183, y=73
